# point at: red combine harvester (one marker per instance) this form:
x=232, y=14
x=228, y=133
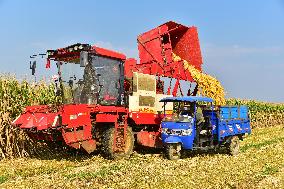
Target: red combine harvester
x=110, y=101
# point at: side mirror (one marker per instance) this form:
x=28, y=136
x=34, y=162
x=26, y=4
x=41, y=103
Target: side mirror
x=33, y=67
x=84, y=56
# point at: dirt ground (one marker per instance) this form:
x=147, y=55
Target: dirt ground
x=259, y=165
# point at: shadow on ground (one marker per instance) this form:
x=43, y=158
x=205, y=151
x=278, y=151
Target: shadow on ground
x=62, y=151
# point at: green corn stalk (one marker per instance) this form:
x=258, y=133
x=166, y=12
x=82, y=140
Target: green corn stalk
x=263, y=114
x=14, y=97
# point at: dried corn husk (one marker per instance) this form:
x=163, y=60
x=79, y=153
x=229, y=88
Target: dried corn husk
x=207, y=85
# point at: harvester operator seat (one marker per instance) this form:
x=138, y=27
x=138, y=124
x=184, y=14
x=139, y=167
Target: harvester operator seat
x=90, y=86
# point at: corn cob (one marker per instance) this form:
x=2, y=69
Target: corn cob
x=207, y=85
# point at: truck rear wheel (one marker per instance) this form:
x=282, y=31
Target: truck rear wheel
x=233, y=147
x=108, y=148
x=173, y=151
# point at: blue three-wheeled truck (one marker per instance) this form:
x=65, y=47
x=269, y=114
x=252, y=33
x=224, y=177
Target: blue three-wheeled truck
x=195, y=124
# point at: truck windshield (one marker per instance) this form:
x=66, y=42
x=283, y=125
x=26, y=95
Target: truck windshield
x=96, y=83
x=177, y=118
x=182, y=112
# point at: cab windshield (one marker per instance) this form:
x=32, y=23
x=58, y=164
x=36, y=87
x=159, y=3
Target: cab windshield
x=99, y=82
x=181, y=113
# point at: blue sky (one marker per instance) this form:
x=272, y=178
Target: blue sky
x=242, y=41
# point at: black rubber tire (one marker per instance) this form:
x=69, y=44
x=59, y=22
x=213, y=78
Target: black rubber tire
x=233, y=147
x=173, y=151
x=107, y=144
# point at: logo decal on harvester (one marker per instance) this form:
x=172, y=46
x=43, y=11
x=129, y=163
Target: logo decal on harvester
x=75, y=116
x=146, y=110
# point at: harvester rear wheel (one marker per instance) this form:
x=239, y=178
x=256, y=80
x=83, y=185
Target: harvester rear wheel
x=233, y=147
x=173, y=151
x=108, y=140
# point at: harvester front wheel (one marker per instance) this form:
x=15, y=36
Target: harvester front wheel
x=173, y=151
x=108, y=148
x=233, y=147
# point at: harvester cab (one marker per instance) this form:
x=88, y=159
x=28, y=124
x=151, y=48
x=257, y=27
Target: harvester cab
x=89, y=74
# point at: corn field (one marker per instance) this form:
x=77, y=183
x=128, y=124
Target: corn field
x=15, y=96
x=262, y=114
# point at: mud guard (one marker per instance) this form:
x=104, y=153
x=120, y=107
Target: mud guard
x=149, y=139
x=173, y=139
x=78, y=130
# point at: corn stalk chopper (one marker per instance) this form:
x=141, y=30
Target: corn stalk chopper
x=111, y=102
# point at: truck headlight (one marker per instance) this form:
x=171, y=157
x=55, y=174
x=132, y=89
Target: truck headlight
x=165, y=130
x=181, y=132
x=186, y=132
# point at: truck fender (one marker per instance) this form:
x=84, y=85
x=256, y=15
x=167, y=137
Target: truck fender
x=173, y=139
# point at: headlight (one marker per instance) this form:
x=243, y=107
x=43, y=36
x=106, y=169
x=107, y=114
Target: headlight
x=186, y=132
x=165, y=130
x=181, y=132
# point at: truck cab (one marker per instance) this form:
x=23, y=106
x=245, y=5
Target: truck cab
x=195, y=124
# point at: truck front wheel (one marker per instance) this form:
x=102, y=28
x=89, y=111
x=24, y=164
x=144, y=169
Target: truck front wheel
x=108, y=140
x=173, y=151
x=233, y=146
